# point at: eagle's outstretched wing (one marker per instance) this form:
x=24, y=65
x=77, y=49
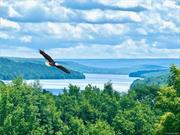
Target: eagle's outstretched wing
x=46, y=56
x=62, y=68
x=50, y=60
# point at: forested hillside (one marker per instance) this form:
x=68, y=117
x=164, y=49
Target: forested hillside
x=152, y=78
x=149, y=73
x=110, y=66
x=10, y=69
x=144, y=110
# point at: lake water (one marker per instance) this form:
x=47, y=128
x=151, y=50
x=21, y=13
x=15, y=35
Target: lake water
x=121, y=83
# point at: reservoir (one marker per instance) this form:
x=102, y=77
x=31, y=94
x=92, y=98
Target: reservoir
x=120, y=83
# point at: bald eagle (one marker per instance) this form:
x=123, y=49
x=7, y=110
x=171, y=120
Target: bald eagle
x=51, y=62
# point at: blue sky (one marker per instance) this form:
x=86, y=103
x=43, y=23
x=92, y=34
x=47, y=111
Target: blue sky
x=90, y=28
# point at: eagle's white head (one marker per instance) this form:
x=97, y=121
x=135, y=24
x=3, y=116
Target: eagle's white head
x=47, y=64
x=56, y=64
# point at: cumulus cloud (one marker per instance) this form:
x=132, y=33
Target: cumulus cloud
x=130, y=5
x=6, y=24
x=26, y=39
x=7, y=10
x=33, y=11
x=162, y=17
x=124, y=4
x=128, y=49
x=4, y=35
x=102, y=28
x=81, y=31
x=22, y=52
x=109, y=16
x=37, y=11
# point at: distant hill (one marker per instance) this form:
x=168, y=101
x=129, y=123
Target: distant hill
x=125, y=70
x=144, y=73
x=124, y=63
x=134, y=67
x=119, y=66
x=151, y=78
x=11, y=68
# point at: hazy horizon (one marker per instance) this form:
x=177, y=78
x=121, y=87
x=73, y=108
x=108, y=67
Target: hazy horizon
x=89, y=58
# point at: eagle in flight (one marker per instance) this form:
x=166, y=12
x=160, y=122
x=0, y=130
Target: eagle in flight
x=51, y=62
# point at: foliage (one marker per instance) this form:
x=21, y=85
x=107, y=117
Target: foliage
x=26, y=110
x=100, y=128
x=168, y=100
x=135, y=121
x=146, y=109
x=174, y=79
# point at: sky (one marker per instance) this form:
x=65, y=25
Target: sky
x=90, y=28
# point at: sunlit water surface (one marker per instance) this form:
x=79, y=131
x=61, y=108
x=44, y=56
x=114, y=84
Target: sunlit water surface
x=121, y=83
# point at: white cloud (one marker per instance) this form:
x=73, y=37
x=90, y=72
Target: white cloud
x=6, y=24
x=26, y=39
x=142, y=31
x=170, y=4
x=65, y=31
x=123, y=3
x=154, y=20
x=162, y=16
x=114, y=3
x=97, y=15
x=46, y=20
x=128, y=49
x=13, y=13
x=37, y=11
x=4, y=35
x=81, y=31
x=22, y=52
x=92, y=15
x=7, y=10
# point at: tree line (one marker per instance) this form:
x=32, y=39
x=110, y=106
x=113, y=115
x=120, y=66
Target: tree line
x=147, y=109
